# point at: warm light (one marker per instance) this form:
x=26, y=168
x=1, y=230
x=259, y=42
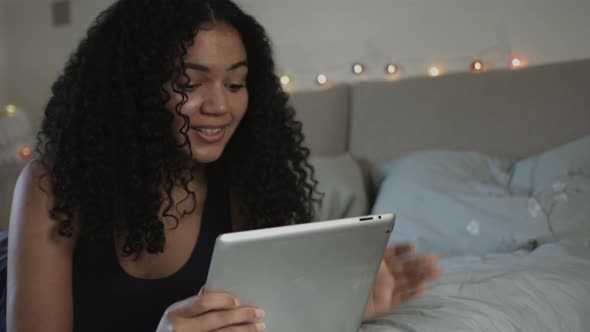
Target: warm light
x=391, y=69
x=477, y=66
x=322, y=79
x=358, y=68
x=11, y=110
x=25, y=153
x=434, y=71
x=516, y=62
x=285, y=80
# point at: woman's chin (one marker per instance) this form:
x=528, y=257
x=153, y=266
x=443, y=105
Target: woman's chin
x=206, y=156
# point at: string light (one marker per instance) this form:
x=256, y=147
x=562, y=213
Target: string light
x=358, y=68
x=11, y=110
x=322, y=79
x=516, y=62
x=434, y=71
x=25, y=153
x=285, y=80
x=391, y=69
x=477, y=66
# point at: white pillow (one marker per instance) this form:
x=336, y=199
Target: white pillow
x=341, y=180
x=456, y=203
x=537, y=172
x=565, y=205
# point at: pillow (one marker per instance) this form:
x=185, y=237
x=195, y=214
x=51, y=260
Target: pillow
x=535, y=173
x=564, y=205
x=341, y=181
x=456, y=203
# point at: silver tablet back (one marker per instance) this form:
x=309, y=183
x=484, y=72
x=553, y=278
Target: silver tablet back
x=312, y=277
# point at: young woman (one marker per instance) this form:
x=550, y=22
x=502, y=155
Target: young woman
x=167, y=128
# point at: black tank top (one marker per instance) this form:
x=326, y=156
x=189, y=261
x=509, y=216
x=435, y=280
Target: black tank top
x=106, y=298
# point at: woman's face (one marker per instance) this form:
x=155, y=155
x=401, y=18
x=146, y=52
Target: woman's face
x=216, y=66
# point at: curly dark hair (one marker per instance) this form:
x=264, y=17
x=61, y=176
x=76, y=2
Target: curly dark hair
x=106, y=139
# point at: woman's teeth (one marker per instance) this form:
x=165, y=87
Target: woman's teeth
x=209, y=131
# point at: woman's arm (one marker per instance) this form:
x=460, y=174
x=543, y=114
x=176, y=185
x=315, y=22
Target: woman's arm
x=39, y=260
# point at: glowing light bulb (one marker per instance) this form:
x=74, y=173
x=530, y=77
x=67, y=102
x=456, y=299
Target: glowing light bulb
x=358, y=68
x=477, y=66
x=11, y=110
x=516, y=62
x=434, y=71
x=322, y=79
x=285, y=80
x=25, y=153
x=391, y=69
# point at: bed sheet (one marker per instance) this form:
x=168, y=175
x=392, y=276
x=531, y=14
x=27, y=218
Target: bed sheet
x=547, y=289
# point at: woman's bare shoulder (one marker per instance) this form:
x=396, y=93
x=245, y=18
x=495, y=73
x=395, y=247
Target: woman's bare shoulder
x=32, y=203
x=39, y=258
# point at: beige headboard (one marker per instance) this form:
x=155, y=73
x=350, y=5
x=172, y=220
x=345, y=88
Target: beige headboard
x=508, y=113
x=325, y=114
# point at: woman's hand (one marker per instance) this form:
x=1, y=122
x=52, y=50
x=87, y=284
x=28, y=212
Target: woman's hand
x=401, y=277
x=211, y=311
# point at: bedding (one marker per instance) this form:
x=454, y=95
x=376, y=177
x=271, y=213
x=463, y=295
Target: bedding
x=564, y=206
x=534, y=173
x=456, y=203
x=514, y=236
x=544, y=290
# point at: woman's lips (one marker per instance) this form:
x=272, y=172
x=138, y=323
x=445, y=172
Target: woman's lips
x=210, y=134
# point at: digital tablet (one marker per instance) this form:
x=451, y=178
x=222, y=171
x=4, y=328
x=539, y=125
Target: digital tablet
x=313, y=277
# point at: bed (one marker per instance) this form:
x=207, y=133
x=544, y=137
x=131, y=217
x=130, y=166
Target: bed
x=490, y=170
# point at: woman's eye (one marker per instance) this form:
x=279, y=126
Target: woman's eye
x=191, y=87
x=187, y=87
x=235, y=87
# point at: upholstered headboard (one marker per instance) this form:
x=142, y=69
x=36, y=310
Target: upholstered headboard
x=508, y=113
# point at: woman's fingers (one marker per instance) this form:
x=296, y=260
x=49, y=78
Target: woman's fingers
x=411, y=273
x=412, y=265
x=202, y=303
x=424, y=266
x=257, y=327
x=211, y=311
x=241, y=319
x=400, y=250
x=415, y=279
x=419, y=262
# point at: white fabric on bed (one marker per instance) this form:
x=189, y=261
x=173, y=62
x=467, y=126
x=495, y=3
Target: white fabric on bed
x=457, y=202
x=565, y=205
x=462, y=203
x=537, y=172
x=545, y=290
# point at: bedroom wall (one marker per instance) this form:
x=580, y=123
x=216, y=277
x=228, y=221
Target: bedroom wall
x=37, y=51
x=311, y=36
x=6, y=180
x=3, y=60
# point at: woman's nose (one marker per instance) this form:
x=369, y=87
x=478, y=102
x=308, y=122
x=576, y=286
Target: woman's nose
x=216, y=102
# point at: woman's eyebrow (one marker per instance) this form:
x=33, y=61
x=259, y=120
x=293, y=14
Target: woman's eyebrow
x=235, y=66
x=206, y=69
